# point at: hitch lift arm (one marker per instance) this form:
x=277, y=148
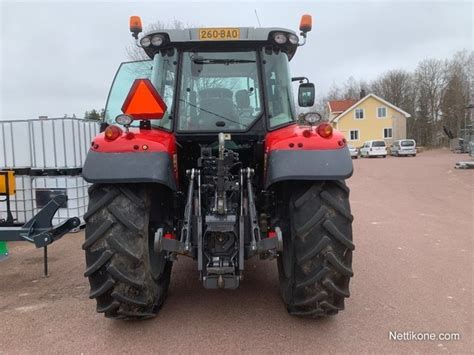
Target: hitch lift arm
x=252, y=211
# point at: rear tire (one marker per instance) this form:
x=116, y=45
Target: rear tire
x=127, y=279
x=316, y=263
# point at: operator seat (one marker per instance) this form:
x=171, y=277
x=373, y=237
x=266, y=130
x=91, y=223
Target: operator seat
x=242, y=99
x=216, y=105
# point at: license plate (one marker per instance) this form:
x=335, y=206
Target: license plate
x=219, y=34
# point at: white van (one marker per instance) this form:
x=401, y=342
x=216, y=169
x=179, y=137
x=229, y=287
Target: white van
x=403, y=147
x=373, y=149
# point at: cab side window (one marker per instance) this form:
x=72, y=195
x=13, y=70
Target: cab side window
x=126, y=75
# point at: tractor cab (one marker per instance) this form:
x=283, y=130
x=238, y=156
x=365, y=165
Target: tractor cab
x=232, y=80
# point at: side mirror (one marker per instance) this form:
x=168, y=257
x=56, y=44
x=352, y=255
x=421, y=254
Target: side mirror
x=306, y=95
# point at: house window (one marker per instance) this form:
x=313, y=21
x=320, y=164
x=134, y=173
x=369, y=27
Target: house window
x=359, y=113
x=354, y=135
x=381, y=112
x=387, y=133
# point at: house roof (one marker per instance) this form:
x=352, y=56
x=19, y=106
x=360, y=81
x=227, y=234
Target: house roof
x=336, y=106
x=406, y=114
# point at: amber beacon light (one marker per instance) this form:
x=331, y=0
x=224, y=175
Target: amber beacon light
x=306, y=23
x=135, y=26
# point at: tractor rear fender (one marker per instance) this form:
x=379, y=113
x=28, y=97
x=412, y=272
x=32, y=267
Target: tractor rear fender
x=140, y=156
x=112, y=168
x=292, y=155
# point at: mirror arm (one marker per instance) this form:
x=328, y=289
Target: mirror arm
x=300, y=79
x=137, y=42
x=302, y=43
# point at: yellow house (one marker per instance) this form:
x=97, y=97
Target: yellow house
x=370, y=118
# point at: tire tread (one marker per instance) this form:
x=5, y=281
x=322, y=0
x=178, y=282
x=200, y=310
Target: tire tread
x=116, y=246
x=322, y=252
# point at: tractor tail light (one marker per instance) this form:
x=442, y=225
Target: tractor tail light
x=272, y=234
x=112, y=132
x=324, y=130
x=169, y=236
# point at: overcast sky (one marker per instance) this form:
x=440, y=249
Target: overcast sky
x=60, y=57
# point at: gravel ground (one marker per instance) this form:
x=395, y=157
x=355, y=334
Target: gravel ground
x=413, y=267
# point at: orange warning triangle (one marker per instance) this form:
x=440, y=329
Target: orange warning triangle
x=143, y=101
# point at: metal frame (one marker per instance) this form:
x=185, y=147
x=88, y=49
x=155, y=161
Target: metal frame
x=9, y=220
x=81, y=132
x=190, y=241
x=39, y=229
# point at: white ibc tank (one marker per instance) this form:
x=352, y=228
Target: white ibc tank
x=61, y=143
x=15, y=148
x=74, y=187
x=47, y=143
x=22, y=203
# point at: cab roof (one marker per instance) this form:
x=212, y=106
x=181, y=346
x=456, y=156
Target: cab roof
x=248, y=35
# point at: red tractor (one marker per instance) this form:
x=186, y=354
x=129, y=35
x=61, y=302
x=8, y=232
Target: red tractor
x=201, y=155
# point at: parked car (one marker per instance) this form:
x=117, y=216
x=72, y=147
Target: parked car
x=402, y=147
x=373, y=149
x=354, y=151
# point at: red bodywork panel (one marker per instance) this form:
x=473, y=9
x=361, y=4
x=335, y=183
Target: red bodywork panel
x=294, y=137
x=291, y=137
x=137, y=140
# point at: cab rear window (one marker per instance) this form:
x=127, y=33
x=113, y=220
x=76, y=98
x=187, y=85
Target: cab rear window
x=407, y=143
x=378, y=144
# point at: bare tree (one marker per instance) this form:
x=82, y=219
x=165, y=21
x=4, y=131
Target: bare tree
x=430, y=79
x=334, y=93
x=456, y=96
x=351, y=89
x=397, y=87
